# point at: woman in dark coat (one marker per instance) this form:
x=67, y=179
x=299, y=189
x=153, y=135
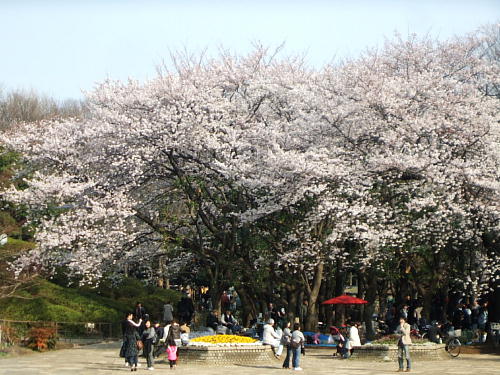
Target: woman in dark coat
x=131, y=337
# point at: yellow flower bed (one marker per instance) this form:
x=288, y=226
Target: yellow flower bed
x=224, y=339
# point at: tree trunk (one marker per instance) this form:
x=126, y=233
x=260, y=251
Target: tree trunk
x=249, y=310
x=292, y=298
x=329, y=308
x=339, y=290
x=313, y=292
x=382, y=291
x=369, y=308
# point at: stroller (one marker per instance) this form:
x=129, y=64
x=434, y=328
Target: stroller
x=341, y=341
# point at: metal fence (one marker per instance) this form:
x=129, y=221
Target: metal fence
x=16, y=331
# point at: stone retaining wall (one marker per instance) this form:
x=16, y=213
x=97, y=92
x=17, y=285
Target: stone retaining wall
x=225, y=356
x=390, y=352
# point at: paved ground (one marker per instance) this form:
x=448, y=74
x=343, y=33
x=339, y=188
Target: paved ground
x=103, y=359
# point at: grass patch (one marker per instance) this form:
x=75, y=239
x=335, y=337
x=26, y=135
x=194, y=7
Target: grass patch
x=47, y=301
x=15, y=246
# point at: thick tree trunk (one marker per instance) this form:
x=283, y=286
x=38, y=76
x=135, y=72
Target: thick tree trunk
x=249, y=309
x=216, y=290
x=313, y=292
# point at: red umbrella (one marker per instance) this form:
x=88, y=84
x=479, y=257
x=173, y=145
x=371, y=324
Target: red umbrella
x=345, y=300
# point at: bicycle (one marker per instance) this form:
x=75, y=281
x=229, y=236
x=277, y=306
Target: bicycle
x=453, y=346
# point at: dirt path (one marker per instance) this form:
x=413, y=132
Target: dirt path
x=103, y=359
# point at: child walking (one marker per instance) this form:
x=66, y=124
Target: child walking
x=172, y=352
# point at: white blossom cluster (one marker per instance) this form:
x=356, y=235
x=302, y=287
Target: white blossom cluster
x=395, y=151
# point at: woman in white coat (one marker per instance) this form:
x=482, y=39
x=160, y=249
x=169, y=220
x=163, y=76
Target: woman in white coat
x=271, y=337
x=354, y=339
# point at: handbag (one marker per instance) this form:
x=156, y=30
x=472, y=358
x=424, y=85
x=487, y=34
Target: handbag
x=295, y=344
x=122, y=350
x=139, y=344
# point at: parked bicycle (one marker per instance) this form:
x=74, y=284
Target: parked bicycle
x=453, y=346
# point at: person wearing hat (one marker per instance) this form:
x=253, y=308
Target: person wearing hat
x=270, y=337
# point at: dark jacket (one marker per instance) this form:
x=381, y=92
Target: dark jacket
x=130, y=340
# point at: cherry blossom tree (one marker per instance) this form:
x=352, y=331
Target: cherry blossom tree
x=396, y=152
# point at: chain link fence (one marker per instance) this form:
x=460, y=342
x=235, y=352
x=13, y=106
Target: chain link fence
x=14, y=332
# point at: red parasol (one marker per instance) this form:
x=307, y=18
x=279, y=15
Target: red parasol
x=345, y=300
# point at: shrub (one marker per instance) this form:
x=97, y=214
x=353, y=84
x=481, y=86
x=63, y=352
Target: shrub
x=41, y=338
x=10, y=335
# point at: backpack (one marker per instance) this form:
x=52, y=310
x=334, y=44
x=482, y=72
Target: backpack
x=155, y=339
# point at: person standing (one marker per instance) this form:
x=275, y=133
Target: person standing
x=140, y=313
x=404, y=342
x=168, y=313
x=281, y=318
x=482, y=321
x=286, y=339
x=475, y=309
x=225, y=301
x=185, y=309
x=354, y=339
x=160, y=331
x=130, y=341
x=403, y=313
x=172, y=353
x=297, y=345
x=175, y=331
x=148, y=336
x=235, y=301
x=272, y=312
x=467, y=317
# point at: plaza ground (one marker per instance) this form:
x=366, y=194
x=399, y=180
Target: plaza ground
x=103, y=359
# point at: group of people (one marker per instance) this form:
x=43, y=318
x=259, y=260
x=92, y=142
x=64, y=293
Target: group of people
x=466, y=319
x=140, y=333
x=280, y=334
x=346, y=339
x=225, y=324
x=230, y=300
x=472, y=317
x=291, y=340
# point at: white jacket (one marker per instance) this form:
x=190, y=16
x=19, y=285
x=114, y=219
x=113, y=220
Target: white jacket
x=270, y=336
x=354, y=339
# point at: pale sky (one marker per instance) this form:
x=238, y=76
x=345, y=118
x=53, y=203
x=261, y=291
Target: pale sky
x=61, y=47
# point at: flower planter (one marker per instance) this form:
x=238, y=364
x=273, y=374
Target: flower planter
x=226, y=354
x=425, y=352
